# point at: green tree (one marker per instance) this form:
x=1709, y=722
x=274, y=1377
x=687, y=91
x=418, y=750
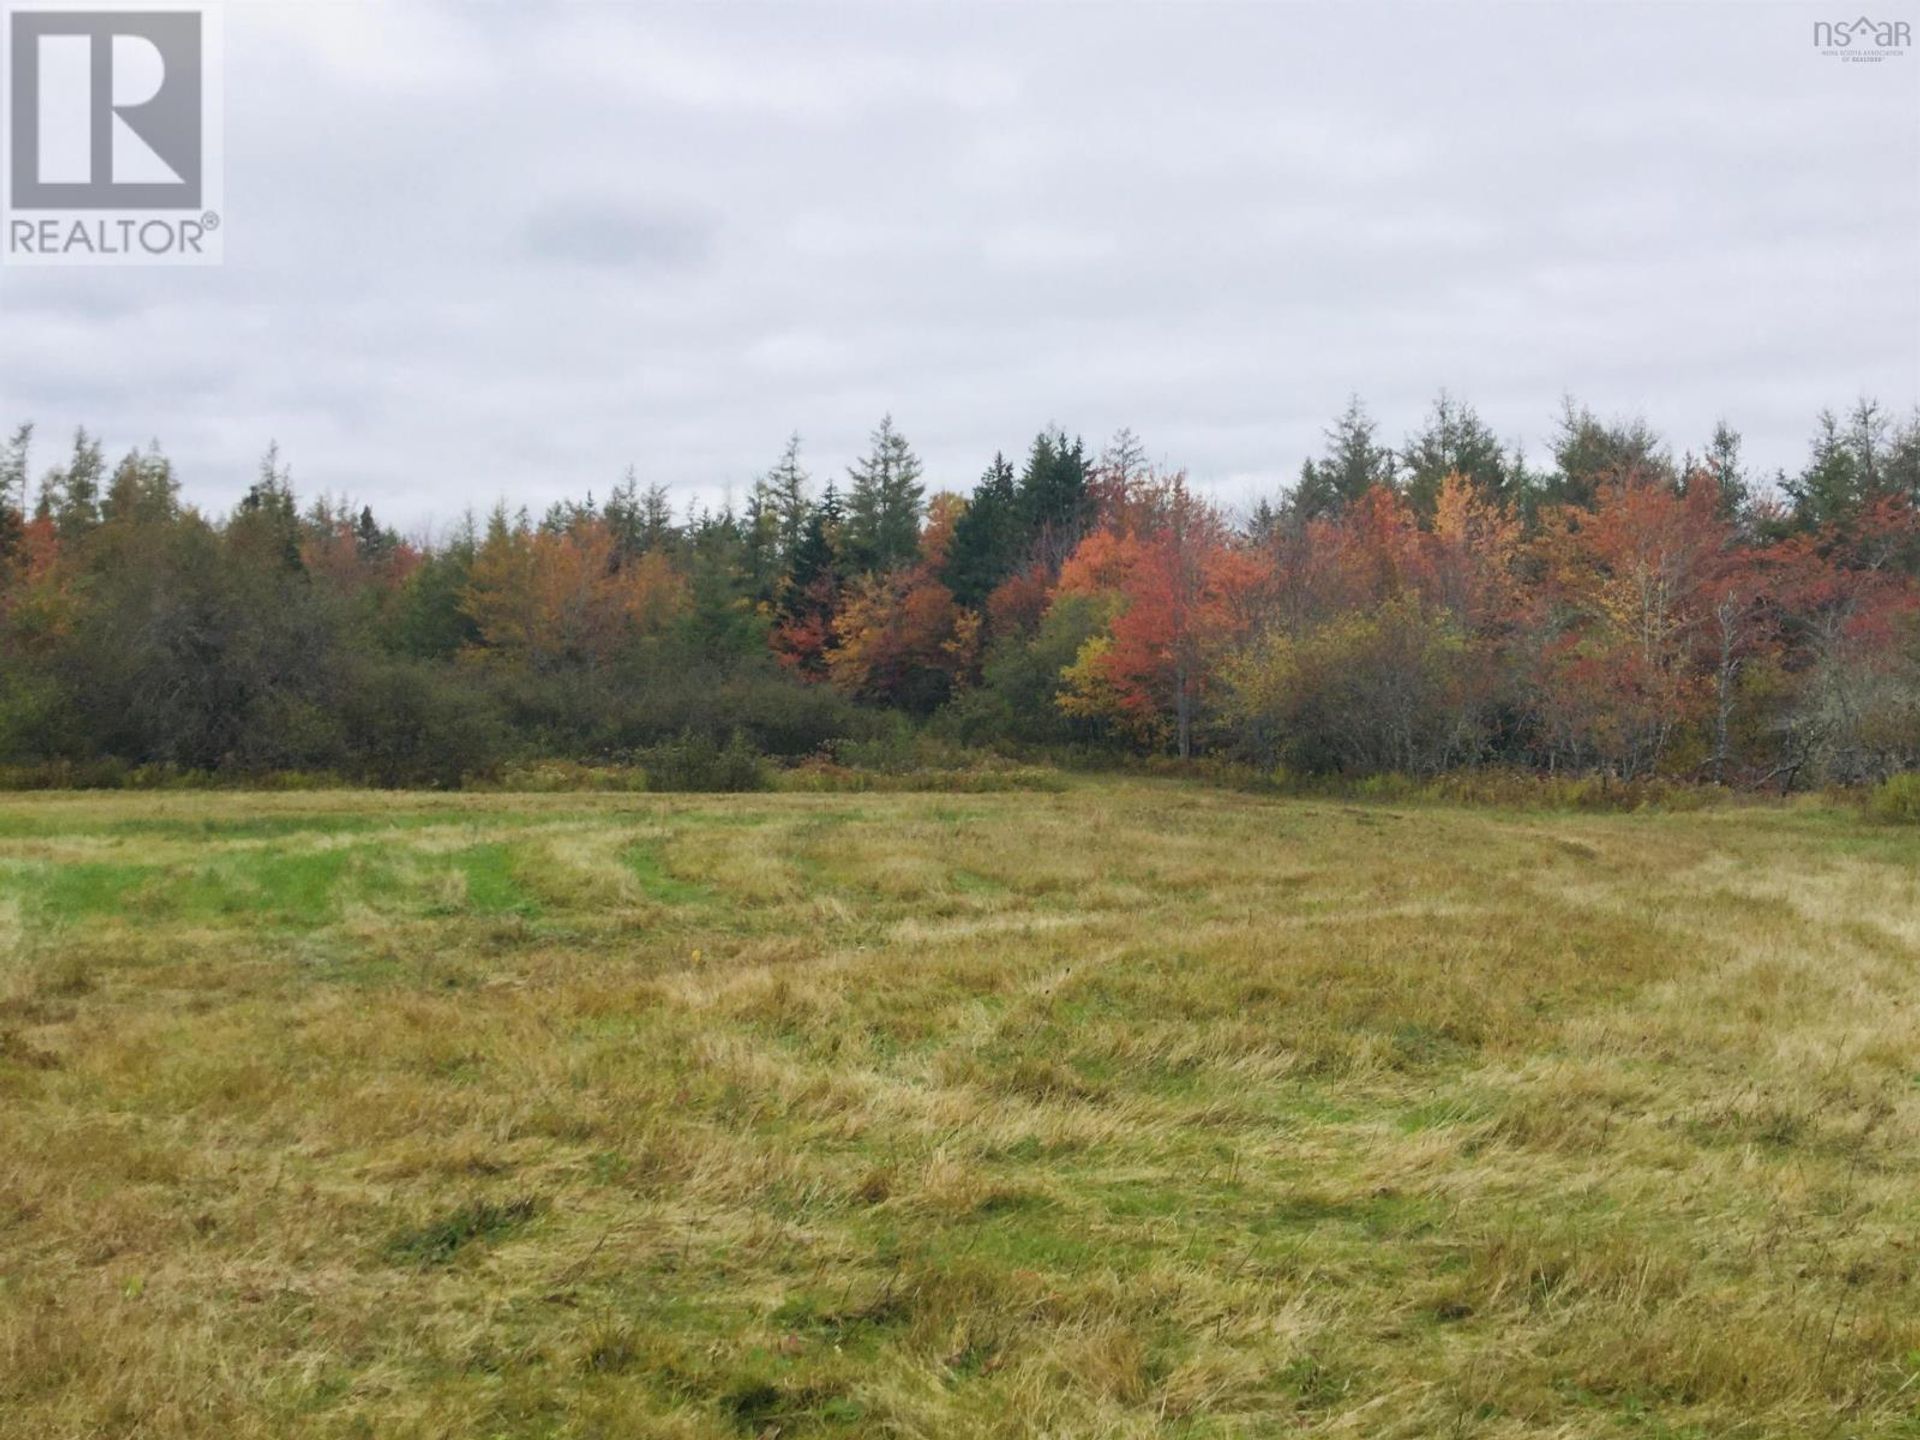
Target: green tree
x=1055, y=501
x=1353, y=464
x=1589, y=453
x=267, y=522
x=143, y=489
x=1454, y=440
x=885, y=503
x=986, y=538
x=1722, y=461
x=787, y=489
x=15, y=456
x=1855, y=463
x=70, y=495
x=430, y=620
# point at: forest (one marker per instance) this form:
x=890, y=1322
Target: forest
x=1415, y=609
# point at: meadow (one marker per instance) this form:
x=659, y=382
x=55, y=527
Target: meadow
x=1135, y=1109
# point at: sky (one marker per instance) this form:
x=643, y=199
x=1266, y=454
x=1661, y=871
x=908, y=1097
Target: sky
x=475, y=251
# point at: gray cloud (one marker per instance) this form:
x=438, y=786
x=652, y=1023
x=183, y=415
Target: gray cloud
x=586, y=231
x=481, y=250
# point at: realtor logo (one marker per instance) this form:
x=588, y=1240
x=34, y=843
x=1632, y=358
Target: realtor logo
x=112, y=129
x=1863, y=40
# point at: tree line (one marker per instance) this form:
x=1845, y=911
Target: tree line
x=1438, y=604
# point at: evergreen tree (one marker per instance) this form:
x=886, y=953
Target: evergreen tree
x=787, y=491
x=1265, y=522
x=564, y=516
x=1454, y=440
x=431, y=622
x=267, y=522
x=622, y=514
x=1855, y=464
x=657, y=530
x=15, y=456
x=638, y=520
x=986, y=538
x=817, y=557
x=1055, y=503
x=70, y=496
x=886, y=502
x=1589, y=453
x=760, y=561
x=1353, y=464
x=143, y=489
x=1723, y=464
x=370, y=542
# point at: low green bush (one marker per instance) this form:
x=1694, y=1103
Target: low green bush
x=695, y=762
x=1897, y=799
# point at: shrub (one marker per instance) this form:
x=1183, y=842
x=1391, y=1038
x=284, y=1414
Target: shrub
x=1897, y=799
x=409, y=724
x=696, y=762
x=1396, y=689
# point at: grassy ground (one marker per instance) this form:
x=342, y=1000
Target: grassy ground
x=1130, y=1110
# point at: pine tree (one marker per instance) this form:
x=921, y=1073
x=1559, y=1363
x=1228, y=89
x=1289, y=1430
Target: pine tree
x=787, y=484
x=143, y=489
x=1353, y=465
x=986, y=538
x=70, y=495
x=760, y=559
x=268, y=520
x=817, y=557
x=1589, y=454
x=14, y=459
x=886, y=502
x=657, y=530
x=1723, y=464
x=370, y=542
x=1264, y=524
x=1454, y=441
x=1054, y=500
x=622, y=514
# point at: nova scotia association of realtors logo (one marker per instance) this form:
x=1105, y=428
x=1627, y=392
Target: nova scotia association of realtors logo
x=1862, y=40
x=113, y=152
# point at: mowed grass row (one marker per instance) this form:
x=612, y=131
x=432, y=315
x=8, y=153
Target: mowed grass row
x=1129, y=1110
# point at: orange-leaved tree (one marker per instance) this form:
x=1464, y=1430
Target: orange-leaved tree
x=1185, y=594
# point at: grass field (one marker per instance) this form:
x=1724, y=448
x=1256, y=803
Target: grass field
x=1129, y=1110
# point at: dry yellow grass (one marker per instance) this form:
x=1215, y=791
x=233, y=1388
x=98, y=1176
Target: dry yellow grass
x=1130, y=1110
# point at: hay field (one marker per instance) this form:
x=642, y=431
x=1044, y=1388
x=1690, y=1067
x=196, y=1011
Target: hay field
x=1131, y=1110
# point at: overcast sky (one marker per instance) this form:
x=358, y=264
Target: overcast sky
x=479, y=250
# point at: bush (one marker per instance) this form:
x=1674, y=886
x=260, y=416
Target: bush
x=407, y=723
x=822, y=776
x=1897, y=799
x=695, y=762
x=565, y=777
x=1397, y=689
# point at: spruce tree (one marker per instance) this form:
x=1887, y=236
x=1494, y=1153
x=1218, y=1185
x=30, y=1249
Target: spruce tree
x=817, y=556
x=1723, y=463
x=71, y=494
x=1589, y=453
x=1454, y=441
x=986, y=538
x=886, y=503
x=14, y=459
x=1353, y=464
x=787, y=486
x=1054, y=498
